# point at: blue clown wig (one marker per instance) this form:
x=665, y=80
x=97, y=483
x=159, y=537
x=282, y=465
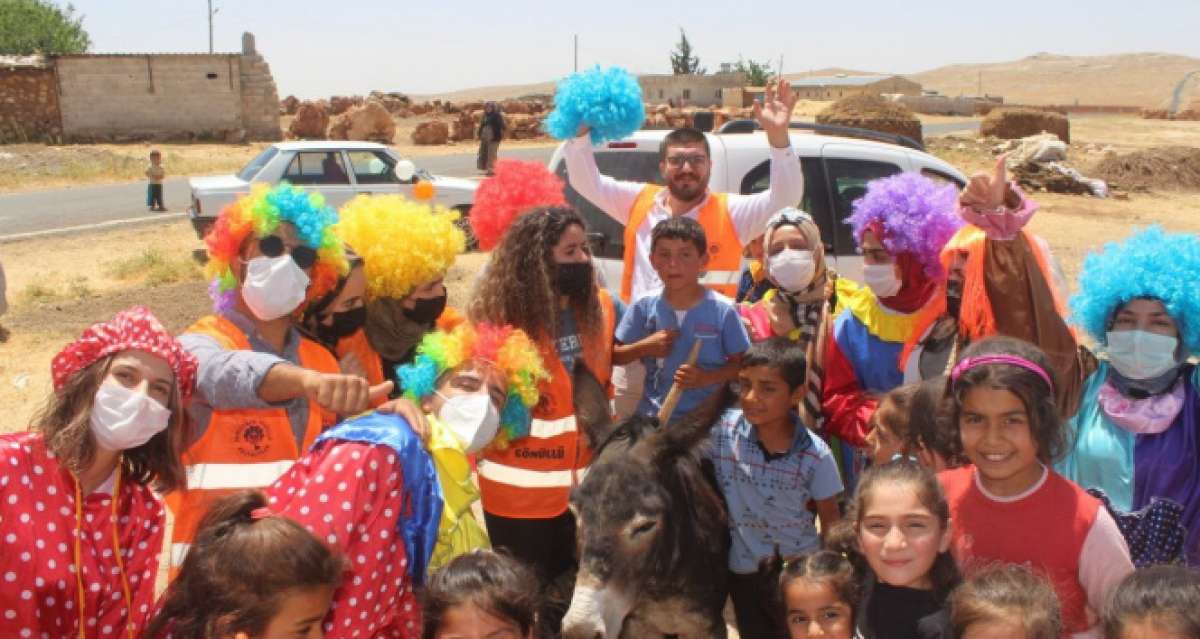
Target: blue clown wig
x=1150, y=264
x=607, y=100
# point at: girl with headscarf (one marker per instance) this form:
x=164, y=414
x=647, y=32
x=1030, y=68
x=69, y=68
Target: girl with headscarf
x=83, y=527
x=901, y=224
x=1137, y=431
x=796, y=304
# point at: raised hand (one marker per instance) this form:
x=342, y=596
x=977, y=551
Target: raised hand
x=986, y=191
x=774, y=113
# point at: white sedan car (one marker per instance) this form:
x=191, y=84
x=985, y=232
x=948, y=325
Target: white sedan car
x=337, y=169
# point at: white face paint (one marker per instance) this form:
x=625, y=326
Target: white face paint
x=595, y=611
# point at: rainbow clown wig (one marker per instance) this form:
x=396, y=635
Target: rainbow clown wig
x=1150, y=264
x=403, y=243
x=508, y=349
x=917, y=214
x=258, y=215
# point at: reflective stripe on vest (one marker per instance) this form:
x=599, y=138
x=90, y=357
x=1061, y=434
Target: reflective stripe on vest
x=533, y=476
x=547, y=428
x=235, y=476
x=724, y=247
x=242, y=448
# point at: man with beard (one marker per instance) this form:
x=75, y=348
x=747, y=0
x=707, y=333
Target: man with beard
x=729, y=220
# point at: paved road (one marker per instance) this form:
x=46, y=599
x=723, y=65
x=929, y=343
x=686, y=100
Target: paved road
x=87, y=207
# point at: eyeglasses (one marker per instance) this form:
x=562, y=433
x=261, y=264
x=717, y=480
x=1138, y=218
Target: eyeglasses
x=677, y=161
x=272, y=246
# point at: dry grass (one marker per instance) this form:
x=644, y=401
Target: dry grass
x=36, y=166
x=59, y=286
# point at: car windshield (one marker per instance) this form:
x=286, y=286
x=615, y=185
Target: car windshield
x=250, y=170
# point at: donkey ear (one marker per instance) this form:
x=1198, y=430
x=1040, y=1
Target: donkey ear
x=680, y=437
x=593, y=413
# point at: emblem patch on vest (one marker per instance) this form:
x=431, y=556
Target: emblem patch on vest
x=252, y=439
x=713, y=249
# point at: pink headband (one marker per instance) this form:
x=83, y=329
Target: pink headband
x=1011, y=360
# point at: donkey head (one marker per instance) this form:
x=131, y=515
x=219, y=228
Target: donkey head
x=641, y=509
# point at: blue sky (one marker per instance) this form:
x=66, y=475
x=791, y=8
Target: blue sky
x=317, y=48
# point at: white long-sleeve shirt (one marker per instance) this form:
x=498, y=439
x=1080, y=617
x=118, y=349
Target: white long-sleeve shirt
x=748, y=213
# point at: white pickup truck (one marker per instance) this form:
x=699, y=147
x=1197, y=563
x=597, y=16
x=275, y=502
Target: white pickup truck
x=836, y=171
x=337, y=169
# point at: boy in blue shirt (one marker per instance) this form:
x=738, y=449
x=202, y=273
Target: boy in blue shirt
x=768, y=466
x=660, y=329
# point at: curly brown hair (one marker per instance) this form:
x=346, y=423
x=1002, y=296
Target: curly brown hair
x=517, y=286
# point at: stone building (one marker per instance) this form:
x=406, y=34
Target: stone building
x=97, y=97
x=833, y=87
x=689, y=89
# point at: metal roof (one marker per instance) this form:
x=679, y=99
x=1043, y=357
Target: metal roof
x=839, y=80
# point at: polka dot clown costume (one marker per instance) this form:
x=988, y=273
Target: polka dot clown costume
x=75, y=563
x=395, y=507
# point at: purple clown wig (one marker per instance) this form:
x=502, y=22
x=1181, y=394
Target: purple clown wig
x=917, y=214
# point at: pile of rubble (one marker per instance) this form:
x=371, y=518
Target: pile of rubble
x=873, y=113
x=1038, y=163
x=1015, y=124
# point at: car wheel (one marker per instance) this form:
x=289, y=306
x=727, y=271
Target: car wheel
x=464, y=223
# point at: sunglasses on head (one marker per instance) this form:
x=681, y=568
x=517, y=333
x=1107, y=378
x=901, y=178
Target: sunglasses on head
x=272, y=246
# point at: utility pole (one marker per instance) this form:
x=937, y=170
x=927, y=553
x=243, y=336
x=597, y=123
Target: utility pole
x=210, y=30
x=980, y=90
x=576, y=53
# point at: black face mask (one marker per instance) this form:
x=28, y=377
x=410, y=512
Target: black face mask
x=344, y=324
x=954, y=292
x=427, y=310
x=573, y=278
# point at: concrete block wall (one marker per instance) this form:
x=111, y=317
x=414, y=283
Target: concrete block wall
x=161, y=96
x=259, y=99
x=29, y=109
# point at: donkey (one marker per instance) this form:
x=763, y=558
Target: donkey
x=652, y=535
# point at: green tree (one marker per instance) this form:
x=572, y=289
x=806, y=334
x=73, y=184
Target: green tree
x=682, y=60
x=39, y=26
x=758, y=74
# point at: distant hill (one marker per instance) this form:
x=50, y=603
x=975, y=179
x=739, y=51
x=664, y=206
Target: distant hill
x=1140, y=79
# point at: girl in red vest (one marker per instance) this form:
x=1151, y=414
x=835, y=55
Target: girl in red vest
x=81, y=527
x=1009, y=505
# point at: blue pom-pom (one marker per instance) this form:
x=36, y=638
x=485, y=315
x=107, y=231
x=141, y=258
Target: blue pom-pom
x=608, y=100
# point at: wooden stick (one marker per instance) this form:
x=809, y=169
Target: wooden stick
x=673, y=395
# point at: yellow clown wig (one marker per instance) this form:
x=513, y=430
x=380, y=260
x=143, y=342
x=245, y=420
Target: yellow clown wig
x=508, y=349
x=258, y=215
x=403, y=243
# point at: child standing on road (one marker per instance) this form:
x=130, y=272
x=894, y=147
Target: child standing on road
x=660, y=329
x=154, y=186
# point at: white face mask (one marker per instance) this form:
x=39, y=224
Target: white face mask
x=472, y=418
x=123, y=419
x=274, y=286
x=1141, y=354
x=792, y=269
x=882, y=279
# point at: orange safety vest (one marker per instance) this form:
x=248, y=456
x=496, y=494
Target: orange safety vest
x=724, y=248
x=357, y=343
x=533, y=476
x=242, y=448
